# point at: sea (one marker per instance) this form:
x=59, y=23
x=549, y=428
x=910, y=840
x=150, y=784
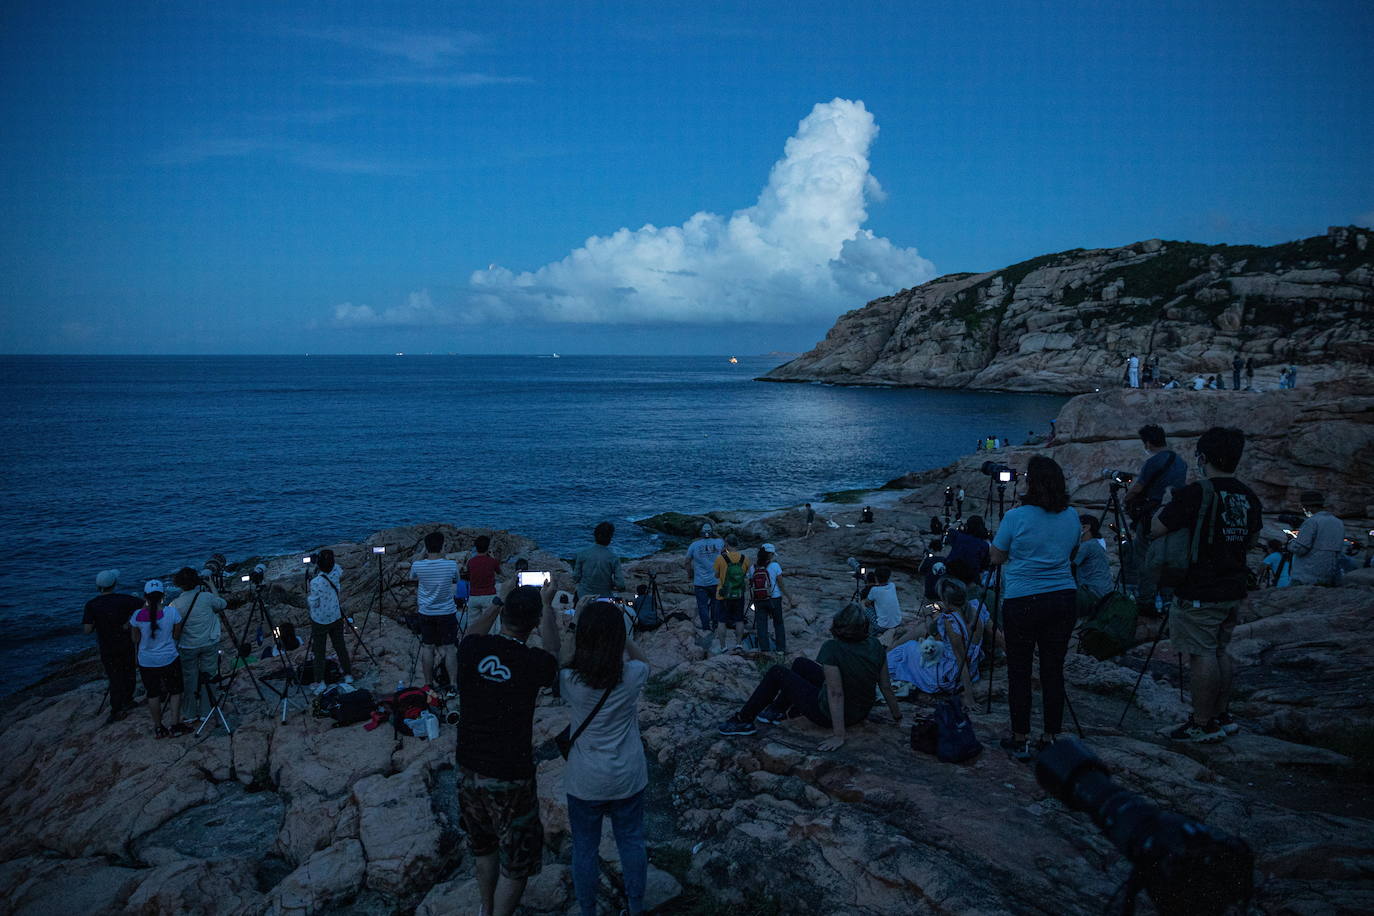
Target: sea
x=147, y=464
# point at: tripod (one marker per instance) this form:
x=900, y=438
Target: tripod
x=218, y=702
x=228, y=686
x=382, y=587
x=259, y=607
x=1120, y=524
x=1154, y=644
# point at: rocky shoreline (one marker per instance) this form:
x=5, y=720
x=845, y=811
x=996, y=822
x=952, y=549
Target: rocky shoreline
x=304, y=818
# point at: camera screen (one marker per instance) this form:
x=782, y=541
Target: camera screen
x=1004, y=476
x=305, y=559
x=379, y=550
x=537, y=579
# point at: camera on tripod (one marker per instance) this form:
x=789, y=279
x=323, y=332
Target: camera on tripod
x=1001, y=472
x=1184, y=866
x=256, y=575
x=1118, y=478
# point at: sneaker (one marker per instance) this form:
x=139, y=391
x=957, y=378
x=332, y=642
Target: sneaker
x=1228, y=723
x=733, y=727
x=770, y=716
x=348, y=679
x=1018, y=750
x=451, y=693
x=1199, y=734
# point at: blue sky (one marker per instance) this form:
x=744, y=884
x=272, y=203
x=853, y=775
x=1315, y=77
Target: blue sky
x=366, y=178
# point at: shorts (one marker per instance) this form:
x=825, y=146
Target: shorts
x=731, y=611
x=162, y=682
x=502, y=816
x=1202, y=630
x=479, y=603
x=439, y=629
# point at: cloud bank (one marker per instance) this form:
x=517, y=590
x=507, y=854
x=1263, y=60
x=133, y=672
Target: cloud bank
x=799, y=253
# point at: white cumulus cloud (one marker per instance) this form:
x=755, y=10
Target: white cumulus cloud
x=798, y=253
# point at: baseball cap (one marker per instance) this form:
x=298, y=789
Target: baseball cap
x=706, y=530
x=153, y=585
x=769, y=547
x=106, y=578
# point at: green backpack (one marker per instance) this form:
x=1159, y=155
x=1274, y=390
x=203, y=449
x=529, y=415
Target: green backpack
x=733, y=584
x=1177, y=552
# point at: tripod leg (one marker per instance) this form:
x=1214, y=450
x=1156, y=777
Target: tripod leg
x=1143, y=668
x=359, y=636
x=1069, y=703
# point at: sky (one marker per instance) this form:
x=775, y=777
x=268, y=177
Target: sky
x=710, y=178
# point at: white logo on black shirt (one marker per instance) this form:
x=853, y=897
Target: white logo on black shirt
x=492, y=669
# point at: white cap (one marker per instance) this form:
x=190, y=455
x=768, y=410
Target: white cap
x=106, y=578
x=769, y=547
x=153, y=585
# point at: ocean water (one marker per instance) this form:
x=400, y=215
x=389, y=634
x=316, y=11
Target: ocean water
x=150, y=463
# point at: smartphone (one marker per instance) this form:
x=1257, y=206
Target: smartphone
x=305, y=559
x=537, y=579
x=379, y=550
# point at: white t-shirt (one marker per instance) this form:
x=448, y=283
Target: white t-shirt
x=703, y=553
x=607, y=760
x=774, y=570
x=323, y=598
x=156, y=649
x=885, y=604
x=436, y=579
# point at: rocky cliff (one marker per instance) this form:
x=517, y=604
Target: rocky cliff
x=1066, y=322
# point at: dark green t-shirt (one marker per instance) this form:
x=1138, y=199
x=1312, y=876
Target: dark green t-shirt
x=859, y=664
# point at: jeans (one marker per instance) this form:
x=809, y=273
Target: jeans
x=195, y=662
x=318, y=631
x=794, y=691
x=708, y=606
x=627, y=823
x=122, y=671
x=1044, y=621
x=765, y=610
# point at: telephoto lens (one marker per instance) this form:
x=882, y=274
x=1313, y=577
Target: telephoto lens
x=450, y=718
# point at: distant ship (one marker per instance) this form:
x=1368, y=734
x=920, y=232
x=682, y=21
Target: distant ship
x=733, y=361
x=556, y=356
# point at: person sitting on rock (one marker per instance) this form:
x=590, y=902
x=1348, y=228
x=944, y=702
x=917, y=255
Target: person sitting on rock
x=1091, y=568
x=958, y=629
x=842, y=678
x=499, y=679
x=881, y=606
x=607, y=773
x=1318, y=547
x=1199, y=383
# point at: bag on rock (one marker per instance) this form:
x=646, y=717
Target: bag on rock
x=924, y=735
x=345, y=707
x=955, y=741
x=1110, y=630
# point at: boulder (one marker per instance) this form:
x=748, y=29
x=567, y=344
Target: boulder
x=399, y=831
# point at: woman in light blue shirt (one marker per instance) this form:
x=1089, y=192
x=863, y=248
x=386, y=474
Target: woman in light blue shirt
x=1033, y=545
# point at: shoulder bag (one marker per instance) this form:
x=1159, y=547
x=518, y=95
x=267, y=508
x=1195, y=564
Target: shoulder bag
x=565, y=741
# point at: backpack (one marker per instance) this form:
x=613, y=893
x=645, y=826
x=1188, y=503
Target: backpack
x=1110, y=629
x=345, y=707
x=732, y=586
x=1177, y=552
x=762, y=583
x=955, y=741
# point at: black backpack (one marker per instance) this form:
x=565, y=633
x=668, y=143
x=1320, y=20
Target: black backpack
x=955, y=741
x=345, y=707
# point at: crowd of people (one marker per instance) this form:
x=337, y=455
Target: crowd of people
x=1020, y=592
x=1147, y=374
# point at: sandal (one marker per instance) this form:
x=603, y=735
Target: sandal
x=161, y=731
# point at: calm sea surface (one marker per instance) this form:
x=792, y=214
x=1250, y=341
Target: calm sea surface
x=151, y=463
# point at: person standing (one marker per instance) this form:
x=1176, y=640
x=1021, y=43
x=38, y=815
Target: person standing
x=1292, y=376
x=596, y=569
x=700, y=566
x=732, y=578
x=1133, y=370
x=607, y=772
x=483, y=571
x=107, y=616
x=1211, y=590
x=155, y=631
x=436, y=578
x=326, y=618
x=1250, y=373
x=1162, y=471
x=1035, y=542
x=499, y=679
x=1237, y=364
x=198, y=646
x=769, y=570
x=810, y=520
x=1319, y=545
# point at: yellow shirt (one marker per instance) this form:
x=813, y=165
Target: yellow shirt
x=722, y=564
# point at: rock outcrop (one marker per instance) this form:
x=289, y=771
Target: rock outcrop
x=1066, y=322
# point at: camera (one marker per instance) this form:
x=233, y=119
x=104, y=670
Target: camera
x=256, y=575
x=1121, y=478
x=1183, y=865
x=1002, y=472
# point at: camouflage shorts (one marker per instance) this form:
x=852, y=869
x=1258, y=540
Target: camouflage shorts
x=499, y=814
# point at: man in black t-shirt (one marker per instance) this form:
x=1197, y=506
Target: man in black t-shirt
x=499, y=679
x=107, y=616
x=1205, y=610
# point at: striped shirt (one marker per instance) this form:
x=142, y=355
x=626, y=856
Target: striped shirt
x=436, y=579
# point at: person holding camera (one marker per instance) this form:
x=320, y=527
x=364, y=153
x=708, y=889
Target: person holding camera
x=1162, y=471
x=1212, y=587
x=596, y=569
x=1034, y=545
x=197, y=606
x=606, y=773
x=326, y=618
x=155, y=632
x=834, y=691
x=1319, y=545
x=499, y=679
x=436, y=580
x=107, y=616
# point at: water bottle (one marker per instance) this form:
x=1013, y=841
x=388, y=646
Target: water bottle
x=400, y=685
x=259, y=634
